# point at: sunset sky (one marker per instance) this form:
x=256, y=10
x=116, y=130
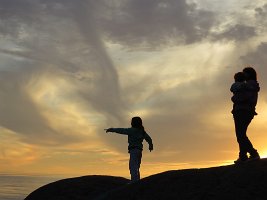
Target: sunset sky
x=71, y=68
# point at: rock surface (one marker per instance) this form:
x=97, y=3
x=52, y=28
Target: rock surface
x=85, y=187
x=244, y=182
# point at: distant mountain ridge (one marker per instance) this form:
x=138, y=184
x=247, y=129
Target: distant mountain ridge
x=237, y=182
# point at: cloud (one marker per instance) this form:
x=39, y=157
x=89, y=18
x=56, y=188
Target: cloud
x=261, y=12
x=257, y=59
x=155, y=23
x=107, y=97
x=16, y=154
x=39, y=43
x=237, y=32
x=132, y=23
x=38, y=39
x=21, y=114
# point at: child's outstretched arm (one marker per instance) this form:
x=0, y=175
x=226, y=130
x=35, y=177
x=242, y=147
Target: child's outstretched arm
x=108, y=130
x=123, y=131
x=149, y=141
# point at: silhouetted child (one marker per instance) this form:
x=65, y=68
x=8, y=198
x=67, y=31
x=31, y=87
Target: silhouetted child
x=136, y=135
x=239, y=89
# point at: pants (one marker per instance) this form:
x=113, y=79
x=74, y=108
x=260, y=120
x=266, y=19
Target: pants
x=134, y=164
x=242, y=120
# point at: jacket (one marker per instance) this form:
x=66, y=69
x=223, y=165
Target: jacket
x=135, y=137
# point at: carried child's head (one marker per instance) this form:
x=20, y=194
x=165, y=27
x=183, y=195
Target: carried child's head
x=137, y=123
x=239, y=77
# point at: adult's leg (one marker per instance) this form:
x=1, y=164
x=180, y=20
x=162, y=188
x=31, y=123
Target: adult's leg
x=250, y=149
x=242, y=120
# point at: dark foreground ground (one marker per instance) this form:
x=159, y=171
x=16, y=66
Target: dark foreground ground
x=233, y=182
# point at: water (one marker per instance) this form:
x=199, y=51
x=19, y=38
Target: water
x=18, y=187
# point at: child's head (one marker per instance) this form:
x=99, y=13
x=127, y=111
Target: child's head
x=137, y=123
x=240, y=77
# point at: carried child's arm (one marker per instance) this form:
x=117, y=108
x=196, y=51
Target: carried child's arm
x=240, y=93
x=240, y=97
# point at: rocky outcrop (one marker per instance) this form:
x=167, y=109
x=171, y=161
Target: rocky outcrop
x=237, y=182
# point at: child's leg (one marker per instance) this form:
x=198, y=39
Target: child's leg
x=134, y=164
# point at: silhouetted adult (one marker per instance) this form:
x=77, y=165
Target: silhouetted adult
x=244, y=110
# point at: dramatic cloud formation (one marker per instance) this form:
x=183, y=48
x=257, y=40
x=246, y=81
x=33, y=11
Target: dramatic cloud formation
x=257, y=57
x=69, y=69
x=155, y=23
x=238, y=32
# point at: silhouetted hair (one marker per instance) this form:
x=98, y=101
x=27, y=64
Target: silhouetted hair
x=239, y=77
x=250, y=73
x=137, y=123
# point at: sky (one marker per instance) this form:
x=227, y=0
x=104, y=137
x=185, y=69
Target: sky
x=69, y=69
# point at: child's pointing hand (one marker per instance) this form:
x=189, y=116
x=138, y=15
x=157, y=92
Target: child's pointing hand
x=108, y=130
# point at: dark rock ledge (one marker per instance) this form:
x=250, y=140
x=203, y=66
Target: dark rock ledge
x=237, y=182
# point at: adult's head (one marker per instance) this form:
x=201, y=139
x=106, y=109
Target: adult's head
x=250, y=73
x=137, y=123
